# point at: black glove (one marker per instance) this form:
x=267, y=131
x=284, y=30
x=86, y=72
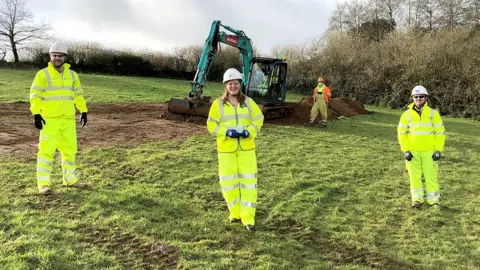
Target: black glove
x=436, y=155
x=232, y=133
x=38, y=121
x=408, y=156
x=245, y=134
x=83, y=119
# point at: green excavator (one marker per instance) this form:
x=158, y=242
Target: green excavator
x=264, y=79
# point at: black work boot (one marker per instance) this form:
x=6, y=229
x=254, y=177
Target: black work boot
x=234, y=220
x=44, y=190
x=250, y=227
x=416, y=204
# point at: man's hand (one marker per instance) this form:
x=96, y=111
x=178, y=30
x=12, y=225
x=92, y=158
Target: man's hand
x=83, y=119
x=38, y=121
x=232, y=133
x=408, y=156
x=245, y=134
x=436, y=155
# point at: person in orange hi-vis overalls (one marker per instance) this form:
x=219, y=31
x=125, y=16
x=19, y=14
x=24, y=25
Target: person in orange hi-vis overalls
x=320, y=104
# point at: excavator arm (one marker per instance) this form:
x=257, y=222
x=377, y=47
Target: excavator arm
x=236, y=38
x=270, y=95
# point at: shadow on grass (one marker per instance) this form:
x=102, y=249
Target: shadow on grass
x=338, y=252
x=128, y=247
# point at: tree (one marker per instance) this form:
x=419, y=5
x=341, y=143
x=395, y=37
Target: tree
x=3, y=53
x=451, y=13
x=337, y=20
x=426, y=13
x=375, y=30
x=379, y=21
x=473, y=12
x=355, y=14
x=17, y=27
x=390, y=8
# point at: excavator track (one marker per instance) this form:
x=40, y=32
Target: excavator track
x=276, y=111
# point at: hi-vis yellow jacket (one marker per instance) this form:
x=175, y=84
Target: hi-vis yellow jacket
x=421, y=133
x=55, y=95
x=224, y=116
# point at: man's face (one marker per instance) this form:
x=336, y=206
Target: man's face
x=233, y=87
x=419, y=100
x=57, y=59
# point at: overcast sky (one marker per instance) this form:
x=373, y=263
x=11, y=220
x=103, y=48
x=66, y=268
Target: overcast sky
x=164, y=25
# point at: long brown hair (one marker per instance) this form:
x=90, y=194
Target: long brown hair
x=240, y=96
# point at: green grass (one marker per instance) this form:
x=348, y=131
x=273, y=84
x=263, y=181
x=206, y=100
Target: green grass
x=328, y=198
x=15, y=87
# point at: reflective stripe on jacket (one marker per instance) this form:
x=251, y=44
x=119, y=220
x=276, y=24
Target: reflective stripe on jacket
x=421, y=133
x=55, y=95
x=224, y=116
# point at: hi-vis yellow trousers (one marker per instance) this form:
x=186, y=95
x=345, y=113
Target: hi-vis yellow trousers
x=422, y=162
x=238, y=181
x=320, y=106
x=57, y=134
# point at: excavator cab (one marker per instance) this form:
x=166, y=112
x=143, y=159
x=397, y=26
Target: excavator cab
x=267, y=81
x=267, y=86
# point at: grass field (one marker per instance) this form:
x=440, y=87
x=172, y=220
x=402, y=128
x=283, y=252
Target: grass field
x=328, y=198
x=15, y=87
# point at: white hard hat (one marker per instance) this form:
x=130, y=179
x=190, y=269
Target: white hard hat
x=419, y=90
x=231, y=74
x=58, y=47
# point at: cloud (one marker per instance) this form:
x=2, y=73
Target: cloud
x=162, y=24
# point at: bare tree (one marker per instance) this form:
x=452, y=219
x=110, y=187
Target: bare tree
x=3, y=53
x=337, y=20
x=473, y=12
x=390, y=8
x=374, y=10
x=17, y=27
x=451, y=13
x=409, y=11
x=426, y=13
x=355, y=14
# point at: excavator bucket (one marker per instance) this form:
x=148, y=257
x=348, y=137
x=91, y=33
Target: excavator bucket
x=199, y=107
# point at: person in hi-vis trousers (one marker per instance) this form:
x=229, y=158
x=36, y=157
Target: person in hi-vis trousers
x=55, y=92
x=422, y=138
x=235, y=120
x=321, y=95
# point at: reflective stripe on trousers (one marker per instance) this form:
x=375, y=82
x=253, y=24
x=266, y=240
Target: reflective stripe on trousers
x=320, y=106
x=422, y=163
x=57, y=134
x=238, y=182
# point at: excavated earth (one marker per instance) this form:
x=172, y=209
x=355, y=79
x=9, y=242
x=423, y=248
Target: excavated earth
x=131, y=124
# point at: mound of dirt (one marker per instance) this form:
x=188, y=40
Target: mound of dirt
x=337, y=107
x=111, y=125
x=300, y=112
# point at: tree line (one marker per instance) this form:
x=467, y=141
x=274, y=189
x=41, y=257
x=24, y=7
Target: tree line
x=374, y=51
x=426, y=14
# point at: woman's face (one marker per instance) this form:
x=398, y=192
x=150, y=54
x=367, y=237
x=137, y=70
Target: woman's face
x=233, y=87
